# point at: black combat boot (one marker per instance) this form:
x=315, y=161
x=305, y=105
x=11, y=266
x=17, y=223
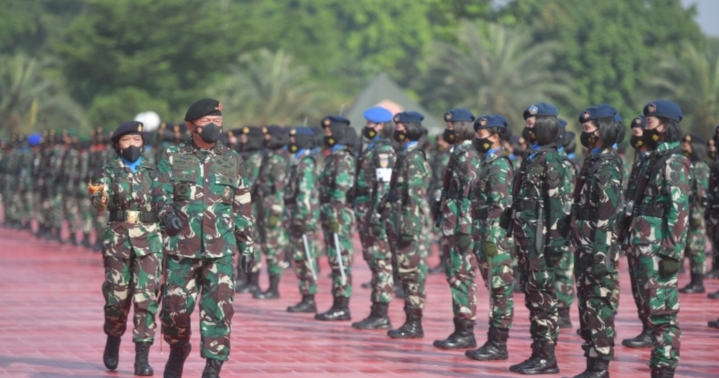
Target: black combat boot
x=271, y=293
x=535, y=352
x=713, y=323
x=111, y=356
x=340, y=310
x=212, y=368
x=306, y=305
x=595, y=369
x=377, y=318
x=663, y=372
x=643, y=340
x=494, y=349
x=696, y=286
x=176, y=361
x=545, y=362
x=412, y=327
x=462, y=337
x=142, y=366
x=564, y=320
x=714, y=295
x=86, y=240
x=251, y=285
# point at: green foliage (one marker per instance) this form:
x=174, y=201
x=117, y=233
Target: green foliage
x=121, y=106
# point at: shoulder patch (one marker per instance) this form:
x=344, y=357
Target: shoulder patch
x=675, y=178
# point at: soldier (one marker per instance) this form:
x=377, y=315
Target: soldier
x=70, y=183
x=493, y=250
x=596, y=198
x=564, y=272
x=27, y=193
x=374, y=169
x=438, y=165
x=641, y=159
x=270, y=197
x=694, y=147
x=204, y=202
x=659, y=230
x=537, y=219
x=456, y=226
x=98, y=158
x=132, y=246
x=302, y=204
x=336, y=214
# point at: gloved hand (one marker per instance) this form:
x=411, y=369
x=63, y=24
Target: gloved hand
x=246, y=262
x=463, y=242
x=376, y=229
x=335, y=227
x=406, y=239
x=173, y=224
x=490, y=250
x=505, y=218
x=99, y=202
x=273, y=221
x=668, y=267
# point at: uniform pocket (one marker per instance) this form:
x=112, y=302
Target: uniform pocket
x=662, y=300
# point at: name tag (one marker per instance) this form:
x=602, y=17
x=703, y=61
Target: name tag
x=383, y=174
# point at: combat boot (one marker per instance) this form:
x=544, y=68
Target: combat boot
x=251, y=285
x=535, y=353
x=272, y=292
x=86, y=240
x=595, y=369
x=494, y=349
x=663, y=372
x=564, y=320
x=643, y=340
x=377, y=318
x=142, y=366
x=176, y=361
x=212, y=368
x=714, y=295
x=696, y=286
x=713, y=323
x=111, y=355
x=306, y=305
x=714, y=273
x=340, y=310
x=545, y=362
x=412, y=327
x=462, y=337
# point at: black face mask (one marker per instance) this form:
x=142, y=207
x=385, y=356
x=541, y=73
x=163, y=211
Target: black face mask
x=210, y=132
x=369, y=132
x=400, y=136
x=449, y=136
x=131, y=153
x=651, y=138
x=588, y=139
x=482, y=144
x=636, y=142
x=329, y=141
x=529, y=135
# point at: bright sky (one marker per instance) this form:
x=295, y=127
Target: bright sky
x=707, y=12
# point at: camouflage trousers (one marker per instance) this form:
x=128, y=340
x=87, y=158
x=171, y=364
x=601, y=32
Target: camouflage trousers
x=596, y=307
x=376, y=251
x=27, y=207
x=564, y=277
x=14, y=209
x=460, y=267
x=635, y=277
x=411, y=269
x=41, y=217
x=501, y=287
x=274, y=242
x=134, y=281
x=306, y=282
x=85, y=208
x=696, y=248
x=340, y=289
x=215, y=280
x=58, y=210
x=540, y=296
x=71, y=212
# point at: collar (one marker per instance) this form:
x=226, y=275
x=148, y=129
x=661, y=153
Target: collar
x=373, y=142
x=336, y=148
x=535, y=146
x=409, y=145
x=560, y=150
x=300, y=154
x=512, y=157
x=493, y=151
x=571, y=155
x=597, y=150
x=134, y=165
x=666, y=146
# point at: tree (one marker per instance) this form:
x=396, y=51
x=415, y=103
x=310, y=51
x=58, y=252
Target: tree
x=121, y=106
x=494, y=70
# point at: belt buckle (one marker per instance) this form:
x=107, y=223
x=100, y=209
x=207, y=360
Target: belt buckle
x=132, y=216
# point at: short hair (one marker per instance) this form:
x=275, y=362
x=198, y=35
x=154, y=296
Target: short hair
x=463, y=130
x=505, y=134
x=611, y=132
x=672, y=132
x=546, y=127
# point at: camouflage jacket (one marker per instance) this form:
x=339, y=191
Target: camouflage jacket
x=438, y=165
x=253, y=161
x=208, y=191
x=699, y=185
x=571, y=171
x=491, y=196
x=463, y=166
x=269, y=187
x=335, y=181
x=409, y=190
x=667, y=192
x=301, y=194
x=377, y=162
x=126, y=190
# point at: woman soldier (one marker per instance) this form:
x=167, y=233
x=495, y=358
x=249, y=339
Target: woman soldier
x=538, y=221
x=492, y=196
x=594, y=215
x=131, y=246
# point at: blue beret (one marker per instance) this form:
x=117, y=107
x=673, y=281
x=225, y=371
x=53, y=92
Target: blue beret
x=459, y=115
x=335, y=120
x=204, y=107
x=562, y=123
x=302, y=130
x=490, y=121
x=406, y=117
x=132, y=127
x=377, y=114
x=640, y=121
x=663, y=108
x=274, y=130
x=596, y=112
x=34, y=139
x=541, y=108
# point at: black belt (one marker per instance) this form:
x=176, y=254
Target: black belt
x=656, y=211
x=131, y=216
x=524, y=205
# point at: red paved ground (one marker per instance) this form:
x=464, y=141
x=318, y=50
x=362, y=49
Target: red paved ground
x=51, y=326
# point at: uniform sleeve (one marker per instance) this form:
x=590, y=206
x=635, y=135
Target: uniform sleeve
x=499, y=189
x=306, y=183
x=275, y=203
x=469, y=165
x=416, y=192
x=343, y=181
x=104, y=179
x=610, y=193
x=676, y=178
x=701, y=175
x=162, y=188
x=242, y=208
x=556, y=197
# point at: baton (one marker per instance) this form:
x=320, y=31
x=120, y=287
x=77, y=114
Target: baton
x=339, y=259
x=309, y=256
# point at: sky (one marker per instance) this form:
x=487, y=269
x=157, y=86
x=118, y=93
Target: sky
x=707, y=11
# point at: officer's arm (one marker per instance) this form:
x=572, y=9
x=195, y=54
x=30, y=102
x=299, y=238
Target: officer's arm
x=343, y=182
x=306, y=184
x=498, y=186
x=242, y=209
x=277, y=178
x=162, y=188
x=610, y=194
x=702, y=176
x=676, y=177
x=468, y=165
x=555, y=198
x=416, y=191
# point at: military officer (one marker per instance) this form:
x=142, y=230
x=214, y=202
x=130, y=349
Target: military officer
x=438, y=165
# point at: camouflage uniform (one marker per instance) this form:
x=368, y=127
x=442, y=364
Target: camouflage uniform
x=564, y=272
x=208, y=191
x=70, y=184
x=659, y=232
x=439, y=164
x=270, y=199
x=131, y=248
x=697, y=237
x=84, y=205
x=253, y=161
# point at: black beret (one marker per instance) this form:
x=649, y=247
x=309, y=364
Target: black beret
x=274, y=130
x=252, y=130
x=132, y=127
x=204, y=107
x=335, y=120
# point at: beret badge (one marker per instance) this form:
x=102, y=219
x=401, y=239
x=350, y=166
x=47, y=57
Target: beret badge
x=533, y=109
x=651, y=108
